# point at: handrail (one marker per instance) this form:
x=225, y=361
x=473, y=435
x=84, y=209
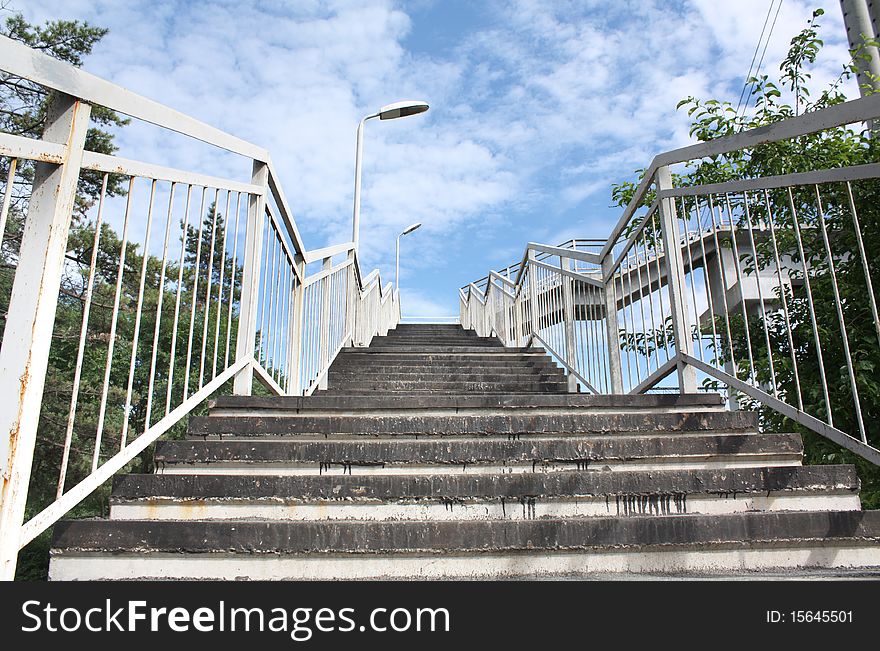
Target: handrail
x=584, y=256
x=23, y=61
x=564, y=248
x=703, y=266
x=231, y=261
x=832, y=175
x=858, y=110
x=327, y=252
x=498, y=276
x=117, y=165
x=286, y=212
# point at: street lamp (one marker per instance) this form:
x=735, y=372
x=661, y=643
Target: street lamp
x=389, y=112
x=407, y=231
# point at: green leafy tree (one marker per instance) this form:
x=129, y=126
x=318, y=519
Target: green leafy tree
x=774, y=101
x=23, y=110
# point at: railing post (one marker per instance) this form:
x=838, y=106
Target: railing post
x=687, y=378
x=296, y=343
x=24, y=356
x=351, y=298
x=359, y=318
x=250, y=280
x=519, y=320
x=533, y=295
x=325, y=319
x=566, y=264
x=488, y=317
x=519, y=315
x=461, y=313
x=612, y=330
x=506, y=305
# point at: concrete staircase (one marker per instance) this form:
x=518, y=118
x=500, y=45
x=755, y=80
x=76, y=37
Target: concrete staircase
x=435, y=453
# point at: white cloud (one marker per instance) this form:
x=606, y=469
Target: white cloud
x=535, y=111
x=415, y=304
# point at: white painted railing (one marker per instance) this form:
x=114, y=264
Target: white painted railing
x=716, y=285
x=200, y=288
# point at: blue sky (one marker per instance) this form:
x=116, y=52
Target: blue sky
x=536, y=108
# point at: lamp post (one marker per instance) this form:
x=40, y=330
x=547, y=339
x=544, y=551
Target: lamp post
x=406, y=231
x=389, y=112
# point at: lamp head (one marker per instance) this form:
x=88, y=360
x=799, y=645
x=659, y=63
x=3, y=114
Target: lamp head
x=402, y=109
x=410, y=229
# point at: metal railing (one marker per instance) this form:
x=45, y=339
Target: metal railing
x=733, y=287
x=172, y=287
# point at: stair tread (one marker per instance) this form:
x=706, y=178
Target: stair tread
x=426, y=397
x=648, y=485
x=582, y=400
x=439, y=536
x=440, y=425
x=472, y=451
x=380, y=350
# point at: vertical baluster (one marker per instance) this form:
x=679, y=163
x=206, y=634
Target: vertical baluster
x=126, y=417
x=87, y=304
x=208, y=282
x=178, y=293
x=195, y=293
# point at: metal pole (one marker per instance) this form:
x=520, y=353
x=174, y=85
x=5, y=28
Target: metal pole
x=397, y=265
x=356, y=220
x=325, y=319
x=299, y=309
x=24, y=356
x=857, y=17
x=533, y=294
x=250, y=280
x=612, y=333
x=687, y=378
x=352, y=299
x=874, y=11
x=568, y=316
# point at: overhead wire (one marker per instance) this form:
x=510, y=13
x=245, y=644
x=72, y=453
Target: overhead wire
x=742, y=94
x=761, y=60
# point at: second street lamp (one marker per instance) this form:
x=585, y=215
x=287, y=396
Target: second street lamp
x=388, y=112
x=407, y=231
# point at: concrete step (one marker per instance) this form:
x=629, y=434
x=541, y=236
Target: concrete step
x=379, y=342
x=428, y=334
x=533, y=423
x=448, y=375
x=456, y=390
x=435, y=374
x=438, y=363
x=461, y=382
x=390, y=385
x=396, y=344
x=374, y=365
x=435, y=350
x=424, y=359
x=441, y=334
x=578, y=403
x=430, y=326
x=484, y=496
x=405, y=373
x=285, y=549
x=476, y=455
